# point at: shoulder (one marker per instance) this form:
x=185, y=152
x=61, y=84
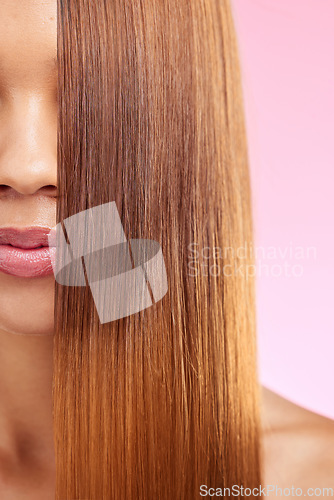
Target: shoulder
x=298, y=445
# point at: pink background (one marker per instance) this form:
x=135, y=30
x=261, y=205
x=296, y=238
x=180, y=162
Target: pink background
x=286, y=49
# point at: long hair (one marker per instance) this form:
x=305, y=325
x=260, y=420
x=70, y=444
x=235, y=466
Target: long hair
x=159, y=403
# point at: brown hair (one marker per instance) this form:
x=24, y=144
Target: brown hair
x=150, y=116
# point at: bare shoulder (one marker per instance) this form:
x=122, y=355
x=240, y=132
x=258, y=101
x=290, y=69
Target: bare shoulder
x=298, y=445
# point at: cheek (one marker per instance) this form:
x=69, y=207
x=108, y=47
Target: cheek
x=27, y=305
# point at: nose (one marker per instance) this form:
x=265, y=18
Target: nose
x=28, y=147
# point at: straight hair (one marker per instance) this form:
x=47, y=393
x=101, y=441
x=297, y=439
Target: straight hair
x=163, y=402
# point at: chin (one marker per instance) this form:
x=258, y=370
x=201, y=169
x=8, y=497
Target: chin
x=27, y=305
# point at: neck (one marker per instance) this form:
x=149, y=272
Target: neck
x=26, y=423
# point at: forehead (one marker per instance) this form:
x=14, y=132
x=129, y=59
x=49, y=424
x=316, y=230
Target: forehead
x=28, y=41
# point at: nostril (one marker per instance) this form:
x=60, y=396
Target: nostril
x=47, y=190
x=50, y=189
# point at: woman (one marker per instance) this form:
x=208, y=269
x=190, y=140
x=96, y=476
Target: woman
x=163, y=403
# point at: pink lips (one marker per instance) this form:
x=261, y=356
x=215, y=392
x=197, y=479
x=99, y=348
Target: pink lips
x=25, y=252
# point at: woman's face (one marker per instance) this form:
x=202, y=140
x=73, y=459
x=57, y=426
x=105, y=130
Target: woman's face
x=28, y=163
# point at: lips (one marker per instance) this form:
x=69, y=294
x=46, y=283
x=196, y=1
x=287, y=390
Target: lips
x=25, y=252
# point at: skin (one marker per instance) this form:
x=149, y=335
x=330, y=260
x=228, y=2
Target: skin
x=28, y=190
x=297, y=444
x=298, y=447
